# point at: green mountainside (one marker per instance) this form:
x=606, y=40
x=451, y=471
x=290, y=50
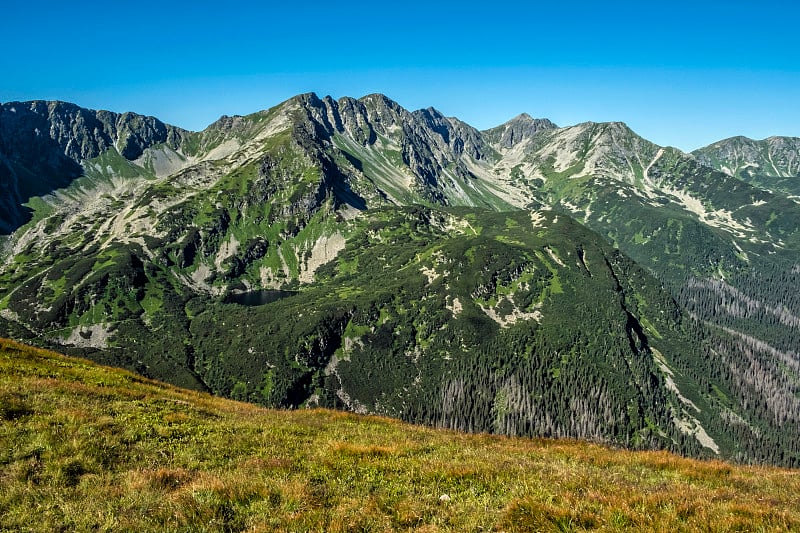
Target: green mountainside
x=772, y=163
x=87, y=448
x=526, y=280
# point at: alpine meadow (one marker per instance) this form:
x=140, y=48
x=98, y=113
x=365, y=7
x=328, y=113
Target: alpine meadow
x=100, y=449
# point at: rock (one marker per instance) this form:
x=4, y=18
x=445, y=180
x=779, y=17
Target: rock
x=518, y=129
x=43, y=144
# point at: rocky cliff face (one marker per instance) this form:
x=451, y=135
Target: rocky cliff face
x=517, y=130
x=373, y=116
x=43, y=144
x=420, y=155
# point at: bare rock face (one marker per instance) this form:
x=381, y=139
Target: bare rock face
x=427, y=141
x=79, y=133
x=42, y=146
x=518, y=129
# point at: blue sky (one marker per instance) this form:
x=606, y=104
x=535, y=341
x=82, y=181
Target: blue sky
x=679, y=73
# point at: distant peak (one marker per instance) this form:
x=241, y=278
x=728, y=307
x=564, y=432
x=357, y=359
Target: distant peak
x=622, y=127
x=526, y=122
x=378, y=100
x=377, y=97
x=430, y=113
x=606, y=128
x=519, y=128
x=522, y=117
x=738, y=141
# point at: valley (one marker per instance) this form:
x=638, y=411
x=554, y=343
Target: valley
x=530, y=279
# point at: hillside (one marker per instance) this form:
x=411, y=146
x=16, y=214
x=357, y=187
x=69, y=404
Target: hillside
x=84, y=447
x=457, y=318
x=531, y=279
x=772, y=163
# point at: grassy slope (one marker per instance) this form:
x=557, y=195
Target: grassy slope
x=89, y=448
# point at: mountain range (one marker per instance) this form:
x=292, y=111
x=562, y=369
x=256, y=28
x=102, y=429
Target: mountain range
x=529, y=279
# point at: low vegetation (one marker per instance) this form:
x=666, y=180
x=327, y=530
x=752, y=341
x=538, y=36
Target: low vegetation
x=84, y=447
x=394, y=281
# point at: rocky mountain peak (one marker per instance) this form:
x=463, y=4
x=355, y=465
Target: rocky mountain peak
x=309, y=99
x=518, y=129
x=80, y=133
x=380, y=101
x=227, y=123
x=44, y=143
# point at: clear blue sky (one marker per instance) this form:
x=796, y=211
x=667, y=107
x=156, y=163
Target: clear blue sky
x=679, y=73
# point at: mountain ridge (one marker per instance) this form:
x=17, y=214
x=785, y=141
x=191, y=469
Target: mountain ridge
x=43, y=143
x=772, y=163
x=484, y=253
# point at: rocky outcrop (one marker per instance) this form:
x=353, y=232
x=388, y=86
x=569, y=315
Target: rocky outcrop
x=79, y=133
x=428, y=142
x=517, y=129
x=43, y=144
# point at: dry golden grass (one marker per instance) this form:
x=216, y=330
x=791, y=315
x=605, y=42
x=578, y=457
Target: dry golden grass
x=89, y=448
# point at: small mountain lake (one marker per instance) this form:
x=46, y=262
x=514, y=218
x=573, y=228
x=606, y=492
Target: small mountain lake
x=254, y=298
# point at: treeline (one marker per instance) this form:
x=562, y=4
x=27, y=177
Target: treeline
x=459, y=319
x=762, y=302
x=755, y=398
x=390, y=340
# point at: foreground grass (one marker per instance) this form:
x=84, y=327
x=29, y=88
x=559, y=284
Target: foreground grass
x=89, y=448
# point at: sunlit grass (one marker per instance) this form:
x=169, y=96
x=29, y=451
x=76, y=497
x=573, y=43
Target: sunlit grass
x=89, y=448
